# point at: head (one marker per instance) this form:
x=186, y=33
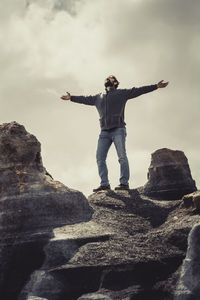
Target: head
x=111, y=81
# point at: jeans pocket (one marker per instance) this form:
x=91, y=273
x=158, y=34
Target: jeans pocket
x=122, y=130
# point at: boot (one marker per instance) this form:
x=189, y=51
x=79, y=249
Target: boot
x=102, y=188
x=122, y=187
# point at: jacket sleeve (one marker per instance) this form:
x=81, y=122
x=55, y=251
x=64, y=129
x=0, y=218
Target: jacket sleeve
x=135, y=92
x=88, y=100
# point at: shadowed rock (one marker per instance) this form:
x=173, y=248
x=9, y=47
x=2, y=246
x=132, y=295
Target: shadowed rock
x=169, y=175
x=188, y=287
x=31, y=205
x=192, y=200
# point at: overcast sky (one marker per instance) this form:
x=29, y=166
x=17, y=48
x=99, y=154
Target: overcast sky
x=49, y=47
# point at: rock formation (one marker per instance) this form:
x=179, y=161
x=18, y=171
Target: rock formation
x=169, y=175
x=132, y=248
x=56, y=245
x=31, y=205
x=188, y=286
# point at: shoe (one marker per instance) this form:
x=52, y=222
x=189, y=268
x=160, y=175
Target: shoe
x=102, y=188
x=122, y=187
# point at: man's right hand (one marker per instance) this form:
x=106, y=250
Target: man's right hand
x=66, y=97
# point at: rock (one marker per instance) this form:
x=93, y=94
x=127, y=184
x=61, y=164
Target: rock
x=55, y=244
x=36, y=298
x=192, y=200
x=31, y=205
x=187, y=201
x=58, y=251
x=196, y=201
x=94, y=296
x=43, y=284
x=169, y=175
x=131, y=249
x=188, y=286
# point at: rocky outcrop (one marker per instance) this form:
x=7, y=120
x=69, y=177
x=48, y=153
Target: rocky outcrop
x=55, y=244
x=169, y=175
x=131, y=249
x=31, y=205
x=188, y=286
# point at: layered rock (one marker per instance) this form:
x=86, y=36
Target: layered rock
x=31, y=205
x=131, y=249
x=169, y=175
x=55, y=245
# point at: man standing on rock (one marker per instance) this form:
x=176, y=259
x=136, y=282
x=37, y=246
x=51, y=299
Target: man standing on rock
x=110, y=106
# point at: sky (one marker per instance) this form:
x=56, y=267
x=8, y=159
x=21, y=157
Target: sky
x=48, y=47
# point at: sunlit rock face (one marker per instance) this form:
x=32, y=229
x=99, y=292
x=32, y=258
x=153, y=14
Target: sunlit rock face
x=31, y=205
x=169, y=175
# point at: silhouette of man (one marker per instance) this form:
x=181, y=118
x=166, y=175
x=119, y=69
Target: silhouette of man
x=110, y=106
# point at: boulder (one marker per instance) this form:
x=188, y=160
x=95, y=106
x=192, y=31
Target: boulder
x=192, y=200
x=187, y=200
x=31, y=205
x=169, y=175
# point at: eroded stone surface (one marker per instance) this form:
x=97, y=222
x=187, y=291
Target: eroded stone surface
x=31, y=205
x=169, y=175
x=54, y=245
x=131, y=249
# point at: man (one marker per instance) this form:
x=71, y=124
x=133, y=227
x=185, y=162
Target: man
x=110, y=106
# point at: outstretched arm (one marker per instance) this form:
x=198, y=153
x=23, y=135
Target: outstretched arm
x=88, y=100
x=135, y=92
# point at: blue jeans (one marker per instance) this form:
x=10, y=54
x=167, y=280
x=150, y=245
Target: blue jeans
x=106, y=138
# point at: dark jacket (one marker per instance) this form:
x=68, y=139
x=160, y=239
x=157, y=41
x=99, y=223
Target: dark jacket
x=111, y=105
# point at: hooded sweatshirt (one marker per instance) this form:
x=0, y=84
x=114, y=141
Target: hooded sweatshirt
x=111, y=105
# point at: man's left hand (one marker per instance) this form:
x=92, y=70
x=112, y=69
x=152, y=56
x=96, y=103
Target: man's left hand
x=162, y=84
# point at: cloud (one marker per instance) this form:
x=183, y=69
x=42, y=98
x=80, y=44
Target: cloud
x=52, y=46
